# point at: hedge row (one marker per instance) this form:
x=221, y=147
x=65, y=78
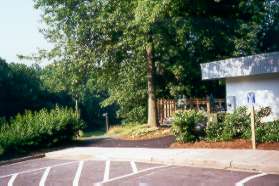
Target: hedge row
x=39, y=129
x=188, y=126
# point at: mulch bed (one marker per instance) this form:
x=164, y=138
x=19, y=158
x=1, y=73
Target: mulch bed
x=235, y=144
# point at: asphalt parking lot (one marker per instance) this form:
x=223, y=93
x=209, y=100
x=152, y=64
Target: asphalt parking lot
x=90, y=172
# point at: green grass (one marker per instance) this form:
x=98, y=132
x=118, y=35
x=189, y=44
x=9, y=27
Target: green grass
x=95, y=133
x=126, y=130
x=138, y=131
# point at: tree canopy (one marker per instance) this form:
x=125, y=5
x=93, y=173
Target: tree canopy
x=105, y=42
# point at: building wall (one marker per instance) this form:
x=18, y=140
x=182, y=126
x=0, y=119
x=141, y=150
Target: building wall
x=265, y=87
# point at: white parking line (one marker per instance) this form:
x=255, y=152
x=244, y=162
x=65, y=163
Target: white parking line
x=134, y=166
x=131, y=174
x=44, y=177
x=12, y=179
x=78, y=173
x=106, y=173
x=42, y=168
x=245, y=180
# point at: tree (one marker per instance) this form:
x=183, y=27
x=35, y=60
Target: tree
x=22, y=89
x=161, y=42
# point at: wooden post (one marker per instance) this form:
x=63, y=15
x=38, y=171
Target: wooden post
x=253, y=136
x=198, y=105
x=208, y=106
x=169, y=108
x=165, y=108
x=158, y=110
x=107, y=122
x=162, y=110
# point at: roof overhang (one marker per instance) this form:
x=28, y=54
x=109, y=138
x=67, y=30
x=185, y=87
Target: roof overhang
x=266, y=63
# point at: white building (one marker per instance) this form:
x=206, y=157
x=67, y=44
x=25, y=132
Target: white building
x=256, y=74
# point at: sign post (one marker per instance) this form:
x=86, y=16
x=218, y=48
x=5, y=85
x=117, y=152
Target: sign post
x=107, y=121
x=251, y=100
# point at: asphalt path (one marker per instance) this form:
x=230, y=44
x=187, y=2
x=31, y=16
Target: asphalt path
x=162, y=142
x=90, y=172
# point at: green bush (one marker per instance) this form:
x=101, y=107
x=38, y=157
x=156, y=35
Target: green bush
x=221, y=117
x=185, y=124
x=267, y=132
x=262, y=128
x=236, y=124
x=39, y=129
x=214, y=131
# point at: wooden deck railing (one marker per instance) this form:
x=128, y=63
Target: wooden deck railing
x=167, y=107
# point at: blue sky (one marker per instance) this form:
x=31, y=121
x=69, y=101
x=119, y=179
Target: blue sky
x=19, y=30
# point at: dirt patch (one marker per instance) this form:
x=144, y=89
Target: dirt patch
x=235, y=144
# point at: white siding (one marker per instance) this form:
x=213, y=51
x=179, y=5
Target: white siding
x=266, y=90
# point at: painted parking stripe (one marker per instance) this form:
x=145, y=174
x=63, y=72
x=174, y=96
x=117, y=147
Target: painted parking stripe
x=134, y=167
x=131, y=174
x=106, y=173
x=245, y=180
x=78, y=173
x=44, y=177
x=42, y=168
x=12, y=179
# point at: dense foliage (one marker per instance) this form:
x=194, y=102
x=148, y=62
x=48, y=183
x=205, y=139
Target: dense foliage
x=237, y=125
x=189, y=125
x=99, y=55
x=106, y=41
x=229, y=126
x=268, y=132
x=21, y=89
x=33, y=88
x=43, y=128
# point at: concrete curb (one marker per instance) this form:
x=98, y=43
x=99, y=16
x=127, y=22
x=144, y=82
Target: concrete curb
x=17, y=160
x=246, y=160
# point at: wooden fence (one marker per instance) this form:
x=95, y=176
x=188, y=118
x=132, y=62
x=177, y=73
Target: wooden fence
x=167, y=107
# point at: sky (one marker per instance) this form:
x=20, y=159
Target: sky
x=19, y=30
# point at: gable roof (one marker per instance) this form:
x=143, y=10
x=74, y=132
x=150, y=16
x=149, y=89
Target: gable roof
x=243, y=66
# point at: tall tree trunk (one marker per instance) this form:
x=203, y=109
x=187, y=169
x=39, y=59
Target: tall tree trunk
x=152, y=109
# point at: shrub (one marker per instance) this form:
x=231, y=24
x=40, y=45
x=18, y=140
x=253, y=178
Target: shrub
x=268, y=132
x=187, y=124
x=236, y=123
x=2, y=121
x=39, y=129
x=221, y=117
x=214, y=131
x=262, y=128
